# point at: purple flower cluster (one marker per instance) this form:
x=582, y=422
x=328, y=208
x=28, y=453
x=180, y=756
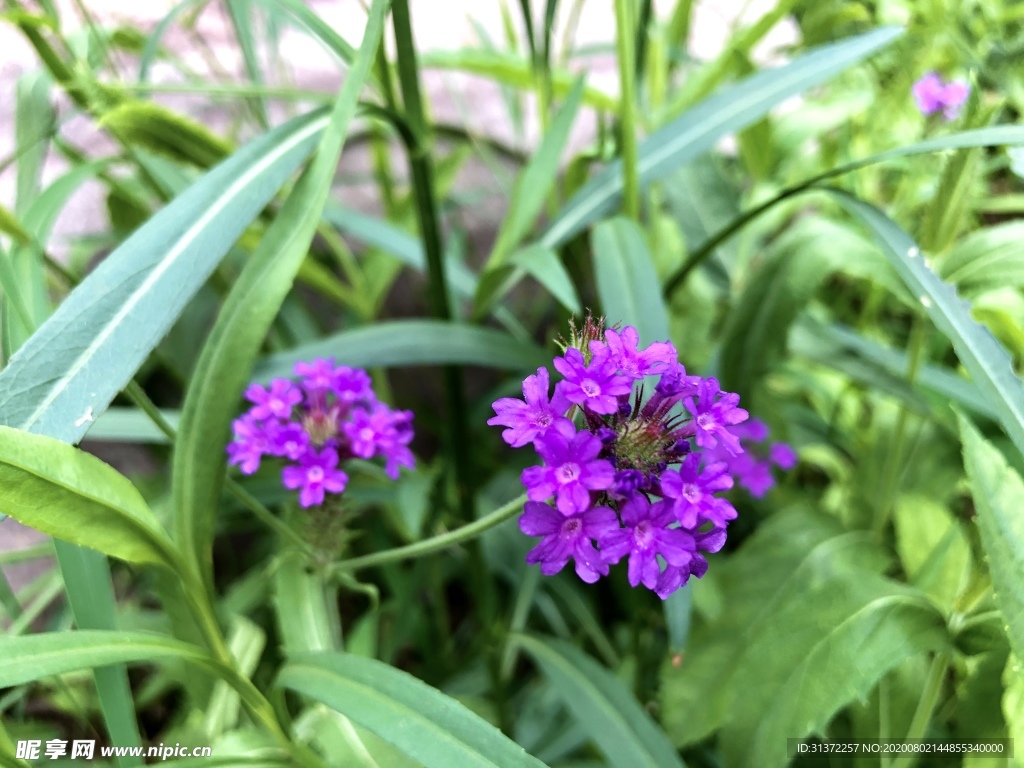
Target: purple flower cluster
x=331, y=414
x=932, y=95
x=631, y=478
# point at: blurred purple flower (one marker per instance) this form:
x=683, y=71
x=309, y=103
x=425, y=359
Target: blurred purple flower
x=714, y=412
x=276, y=402
x=933, y=94
x=316, y=474
x=252, y=441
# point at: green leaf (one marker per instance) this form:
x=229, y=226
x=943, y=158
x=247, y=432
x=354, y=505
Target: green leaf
x=154, y=127
x=987, y=259
x=242, y=23
x=537, y=261
x=90, y=592
x=826, y=646
x=118, y=424
x=626, y=280
x=246, y=642
x=982, y=356
x=25, y=659
x=247, y=315
x=698, y=129
x=536, y=180
x=514, y=70
x=71, y=495
x=602, y=706
x=421, y=721
x=998, y=495
x=933, y=548
x=81, y=357
x=34, y=120
x=409, y=343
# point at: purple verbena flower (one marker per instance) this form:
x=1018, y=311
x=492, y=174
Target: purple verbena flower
x=564, y=537
x=382, y=432
x=352, y=385
x=527, y=420
x=316, y=474
x=252, y=442
x=676, y=576
x=933, y=94
x=646, y=535
x=318, y=376
x=596, y=386
x=290, y=441
x=714, y=412
x=692, y=491
x=571, y=470
x=276, y=402
x=782, y=456
x=622, y=348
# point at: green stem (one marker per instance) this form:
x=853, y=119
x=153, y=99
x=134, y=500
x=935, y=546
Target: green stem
x=894, y=461
x=625, y=32
x=435, y=543
x=929, y=699
x=423, y=187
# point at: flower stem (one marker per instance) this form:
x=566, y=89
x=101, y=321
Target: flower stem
x=435, y=543
x=625, y=31
x=929, y=696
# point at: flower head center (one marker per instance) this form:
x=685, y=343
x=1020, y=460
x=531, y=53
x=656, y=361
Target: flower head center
x=571, y=528
x=691, y=492
x=315, y=474
x=321, y=426
x=706, y=421
x=643, y=534
x=590, y=387
x=366, y=433
x=568, y=472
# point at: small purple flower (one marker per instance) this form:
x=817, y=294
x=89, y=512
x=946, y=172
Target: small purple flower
x=622, y=347
x=352, y=385
x=318, y=376
x=932, y=95
x=714, y=412
x=381, y=432
x=252, y=441
x=565, y=537
x=782, y=456
x=527, y=420
x=290, y=441
x=316, y=474
x=675, y=383
x=276, y=402
x=627, y=482
x=645, y=536
x=596, y=386
x=572, y=470
x=693, y=490
x=674, y=577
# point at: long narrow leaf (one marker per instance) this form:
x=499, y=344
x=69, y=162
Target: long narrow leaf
x=246, y=317
x=409, y=343
x=603, y=706
x=984, y=358
x=422, y=722
x=80, y=358
x=697, y=130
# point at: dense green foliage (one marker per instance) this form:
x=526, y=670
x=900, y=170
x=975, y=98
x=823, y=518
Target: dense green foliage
x=852, y=268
